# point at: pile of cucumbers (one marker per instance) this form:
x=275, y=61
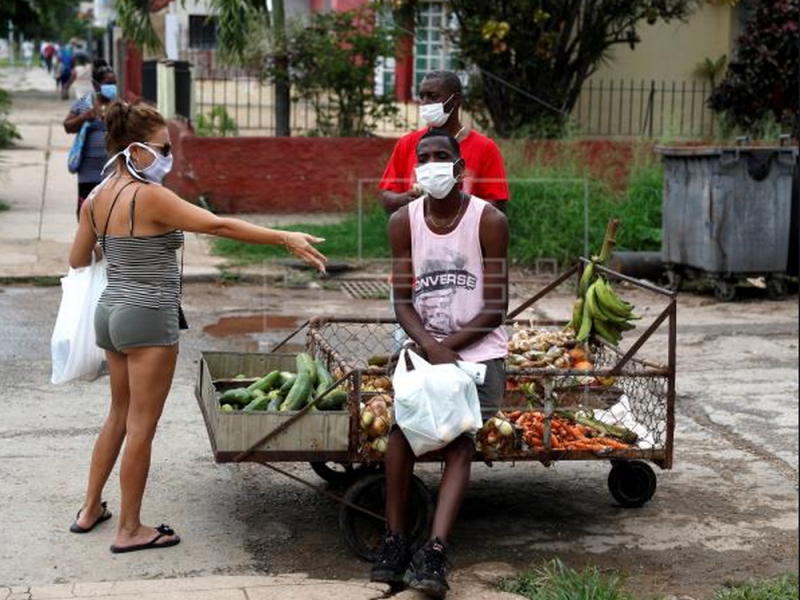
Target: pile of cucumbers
x=282, y=391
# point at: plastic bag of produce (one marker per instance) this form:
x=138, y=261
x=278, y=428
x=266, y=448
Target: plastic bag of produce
x=75, y=354
x=434, y=404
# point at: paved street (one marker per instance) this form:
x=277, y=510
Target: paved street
x=727, y=510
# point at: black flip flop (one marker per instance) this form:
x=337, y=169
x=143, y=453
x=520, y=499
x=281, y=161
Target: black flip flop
x=152, y=544
x=105, y=515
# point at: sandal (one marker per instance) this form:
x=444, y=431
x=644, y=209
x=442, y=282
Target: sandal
x=152, y=544
x=105, y=515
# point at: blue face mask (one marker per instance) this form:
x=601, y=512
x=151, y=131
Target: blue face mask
x=109, y=91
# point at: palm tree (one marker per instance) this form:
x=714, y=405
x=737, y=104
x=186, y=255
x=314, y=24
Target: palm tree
x=235, y=25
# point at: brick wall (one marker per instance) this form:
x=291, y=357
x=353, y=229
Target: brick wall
x=275, y=175
x=284, y=175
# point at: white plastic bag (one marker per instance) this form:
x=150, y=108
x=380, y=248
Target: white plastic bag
x=73, y=347
x=434, y=404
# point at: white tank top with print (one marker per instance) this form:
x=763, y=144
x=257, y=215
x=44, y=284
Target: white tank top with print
x=448, y=279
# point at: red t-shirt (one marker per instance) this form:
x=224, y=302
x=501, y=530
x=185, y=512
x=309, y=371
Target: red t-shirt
x=485, y=176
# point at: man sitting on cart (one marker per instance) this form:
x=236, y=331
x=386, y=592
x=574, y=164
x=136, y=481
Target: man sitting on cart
x=449, y=269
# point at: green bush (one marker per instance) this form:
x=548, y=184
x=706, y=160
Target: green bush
x=547, y=214
x=8, y=131
x=219, y=123
x=554, y=581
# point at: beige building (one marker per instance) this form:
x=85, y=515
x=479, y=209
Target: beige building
x=654, y=88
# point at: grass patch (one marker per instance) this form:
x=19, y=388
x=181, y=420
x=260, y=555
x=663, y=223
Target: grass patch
x=781, y=588
x=546, y=214
x=555, y=581
x=341, y=240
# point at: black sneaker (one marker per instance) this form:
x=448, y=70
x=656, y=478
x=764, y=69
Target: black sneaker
x=393, y=559
x=428, y=570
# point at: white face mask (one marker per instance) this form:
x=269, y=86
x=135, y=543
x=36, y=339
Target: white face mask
x=433, y=114
x=437, y=178
x=155, y=172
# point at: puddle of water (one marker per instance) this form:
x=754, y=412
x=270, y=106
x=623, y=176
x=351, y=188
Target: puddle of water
x=253, y=324
x=258, y=333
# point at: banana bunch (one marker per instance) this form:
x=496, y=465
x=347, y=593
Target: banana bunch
x=599, y=311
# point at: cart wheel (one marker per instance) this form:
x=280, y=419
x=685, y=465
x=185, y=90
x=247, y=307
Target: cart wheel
x=363, y=533
x=675, y=279
x=632, y=484
x=725, y=291
x=777, y=288
x=342, y=474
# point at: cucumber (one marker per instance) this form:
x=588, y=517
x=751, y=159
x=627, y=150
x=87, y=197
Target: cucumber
x=266, y=383
x=324, y=379
x=306, y=363
x=288, y=382
x=227, y=408
x=236, y=397
x=336, y=400
x=300, y=392
x=274, y=405
x=257, y=404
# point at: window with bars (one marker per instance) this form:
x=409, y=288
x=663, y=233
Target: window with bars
x=202, y=32
x=434, y=50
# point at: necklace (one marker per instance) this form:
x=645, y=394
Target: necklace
x=432, y=221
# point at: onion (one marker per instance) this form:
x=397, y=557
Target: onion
x=367, y=418
x=506, y=429
x=378, y=428
x=380, y=445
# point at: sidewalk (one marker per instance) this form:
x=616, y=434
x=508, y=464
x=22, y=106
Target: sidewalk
x=37, y=232
x=477, y=583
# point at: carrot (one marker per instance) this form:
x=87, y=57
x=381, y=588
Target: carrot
x=514, y=415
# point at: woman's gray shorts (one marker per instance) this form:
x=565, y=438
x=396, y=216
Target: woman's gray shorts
x=119, y=326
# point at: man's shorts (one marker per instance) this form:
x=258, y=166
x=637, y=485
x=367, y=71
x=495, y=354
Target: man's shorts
x=493, y=390
x=119, y=327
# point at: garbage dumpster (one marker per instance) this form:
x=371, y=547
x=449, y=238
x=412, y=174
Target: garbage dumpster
x=727, y=214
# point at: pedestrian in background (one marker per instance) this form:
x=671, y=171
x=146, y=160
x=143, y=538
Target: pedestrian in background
x=65, y=61
x=28, y=48
x=139, y=224
x=80, y=83
x=47, y=53
x=91, y=109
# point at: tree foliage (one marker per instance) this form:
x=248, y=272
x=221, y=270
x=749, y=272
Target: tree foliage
x=333, y=59
x=50, y=19
x=533, y=56
x=762, y=80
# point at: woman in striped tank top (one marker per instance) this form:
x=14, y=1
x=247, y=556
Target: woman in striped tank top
x=140, y=224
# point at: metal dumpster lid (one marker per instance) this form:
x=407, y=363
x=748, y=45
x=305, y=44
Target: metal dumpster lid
x=720, y=150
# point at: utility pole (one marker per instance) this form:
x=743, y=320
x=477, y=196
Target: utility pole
x=11, y=42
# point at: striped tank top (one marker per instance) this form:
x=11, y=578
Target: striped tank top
x=142, y=270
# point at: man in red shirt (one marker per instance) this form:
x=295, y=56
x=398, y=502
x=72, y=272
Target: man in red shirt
x=485, y=176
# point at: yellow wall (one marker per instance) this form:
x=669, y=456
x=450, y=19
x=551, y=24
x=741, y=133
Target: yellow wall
x=670, y=51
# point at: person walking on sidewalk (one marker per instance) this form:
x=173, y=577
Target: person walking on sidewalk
x=484, y=175
x=91, y=108
x=450, y=273
x=139, y=225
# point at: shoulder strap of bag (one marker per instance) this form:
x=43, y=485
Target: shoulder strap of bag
x=110, y=210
